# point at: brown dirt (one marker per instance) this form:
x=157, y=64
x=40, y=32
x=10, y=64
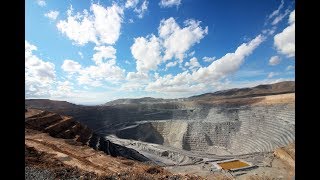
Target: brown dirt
x=260, y=100
x=56, y=155
x=287, y=155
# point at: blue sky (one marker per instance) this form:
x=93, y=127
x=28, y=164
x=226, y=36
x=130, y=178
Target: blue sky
x=91, y=52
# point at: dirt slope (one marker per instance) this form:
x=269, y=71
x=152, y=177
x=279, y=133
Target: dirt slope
x=70, y=156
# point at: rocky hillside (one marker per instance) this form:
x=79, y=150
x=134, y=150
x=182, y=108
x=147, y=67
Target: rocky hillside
x=260, y=90
x=67, y=128
x=58, y=147
x=144, y=100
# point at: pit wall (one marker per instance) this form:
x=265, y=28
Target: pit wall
x=239, y=130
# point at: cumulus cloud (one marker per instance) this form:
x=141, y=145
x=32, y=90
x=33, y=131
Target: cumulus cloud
x=52, y=15
x=285, y=41
x=131, y=3
x=41, y=3
x=193, y=64
x=39, y=75
x=135, y=81
x=63, y=89
x=101, y=26
x=71, y=66
x=146, y=52
x=208, y=59
x=94, y=75
x=137, y=76
x=173, y=42
x=171, y=64
x=143, y=8
x=107, y=22
x=206, y=76
x=103, y=52
x=272, y=74
x=274, y=60
x=169, y=3
x=289, y=68
x=177, y=40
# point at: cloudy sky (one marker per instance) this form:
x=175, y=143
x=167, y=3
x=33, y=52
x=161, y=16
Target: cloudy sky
x=91, y=52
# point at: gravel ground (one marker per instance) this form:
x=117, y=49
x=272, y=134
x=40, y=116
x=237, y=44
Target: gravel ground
x=32, y=173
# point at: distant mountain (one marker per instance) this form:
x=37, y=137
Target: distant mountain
x=49, y=104
x=260, y=90
x=144, y=100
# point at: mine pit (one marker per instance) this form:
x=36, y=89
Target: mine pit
x=183, y=136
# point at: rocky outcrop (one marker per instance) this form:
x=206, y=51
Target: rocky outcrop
x=67, y=128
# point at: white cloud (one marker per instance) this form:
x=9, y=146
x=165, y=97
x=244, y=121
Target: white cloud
x=63, y=89
x=292, y=17
x=52, y=15
x=169, y=3
x=79, y=28
x=80, y=54
x=103, y=52
x=107, y=22
x=39, y=75
x=136, y=76
x=135, y=81
x=143, y=8
x=208, y=59
x=171, y=64
x=71, y=66
x=127, y=62
x=103, y=26
x=229, y=63
x=87, y=80
x=193, y=64
x=131, y=21
x=95, y=75
x=279, y=18
x=285, y=41
x=107, y=71
x=173, y=42
x=205, y=77
x=276, y=12
x=131, y=86
x=176, y=40
x=289, y=68
x=274, y=60
x=41, y=3
x=272, y=74
x=131, y=3
x=191, y=53
x=146, y=51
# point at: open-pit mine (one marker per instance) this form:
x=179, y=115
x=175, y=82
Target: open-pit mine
x=238, y=133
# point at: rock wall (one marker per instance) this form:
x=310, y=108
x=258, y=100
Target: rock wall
x=67, y=128
x=233, y=130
